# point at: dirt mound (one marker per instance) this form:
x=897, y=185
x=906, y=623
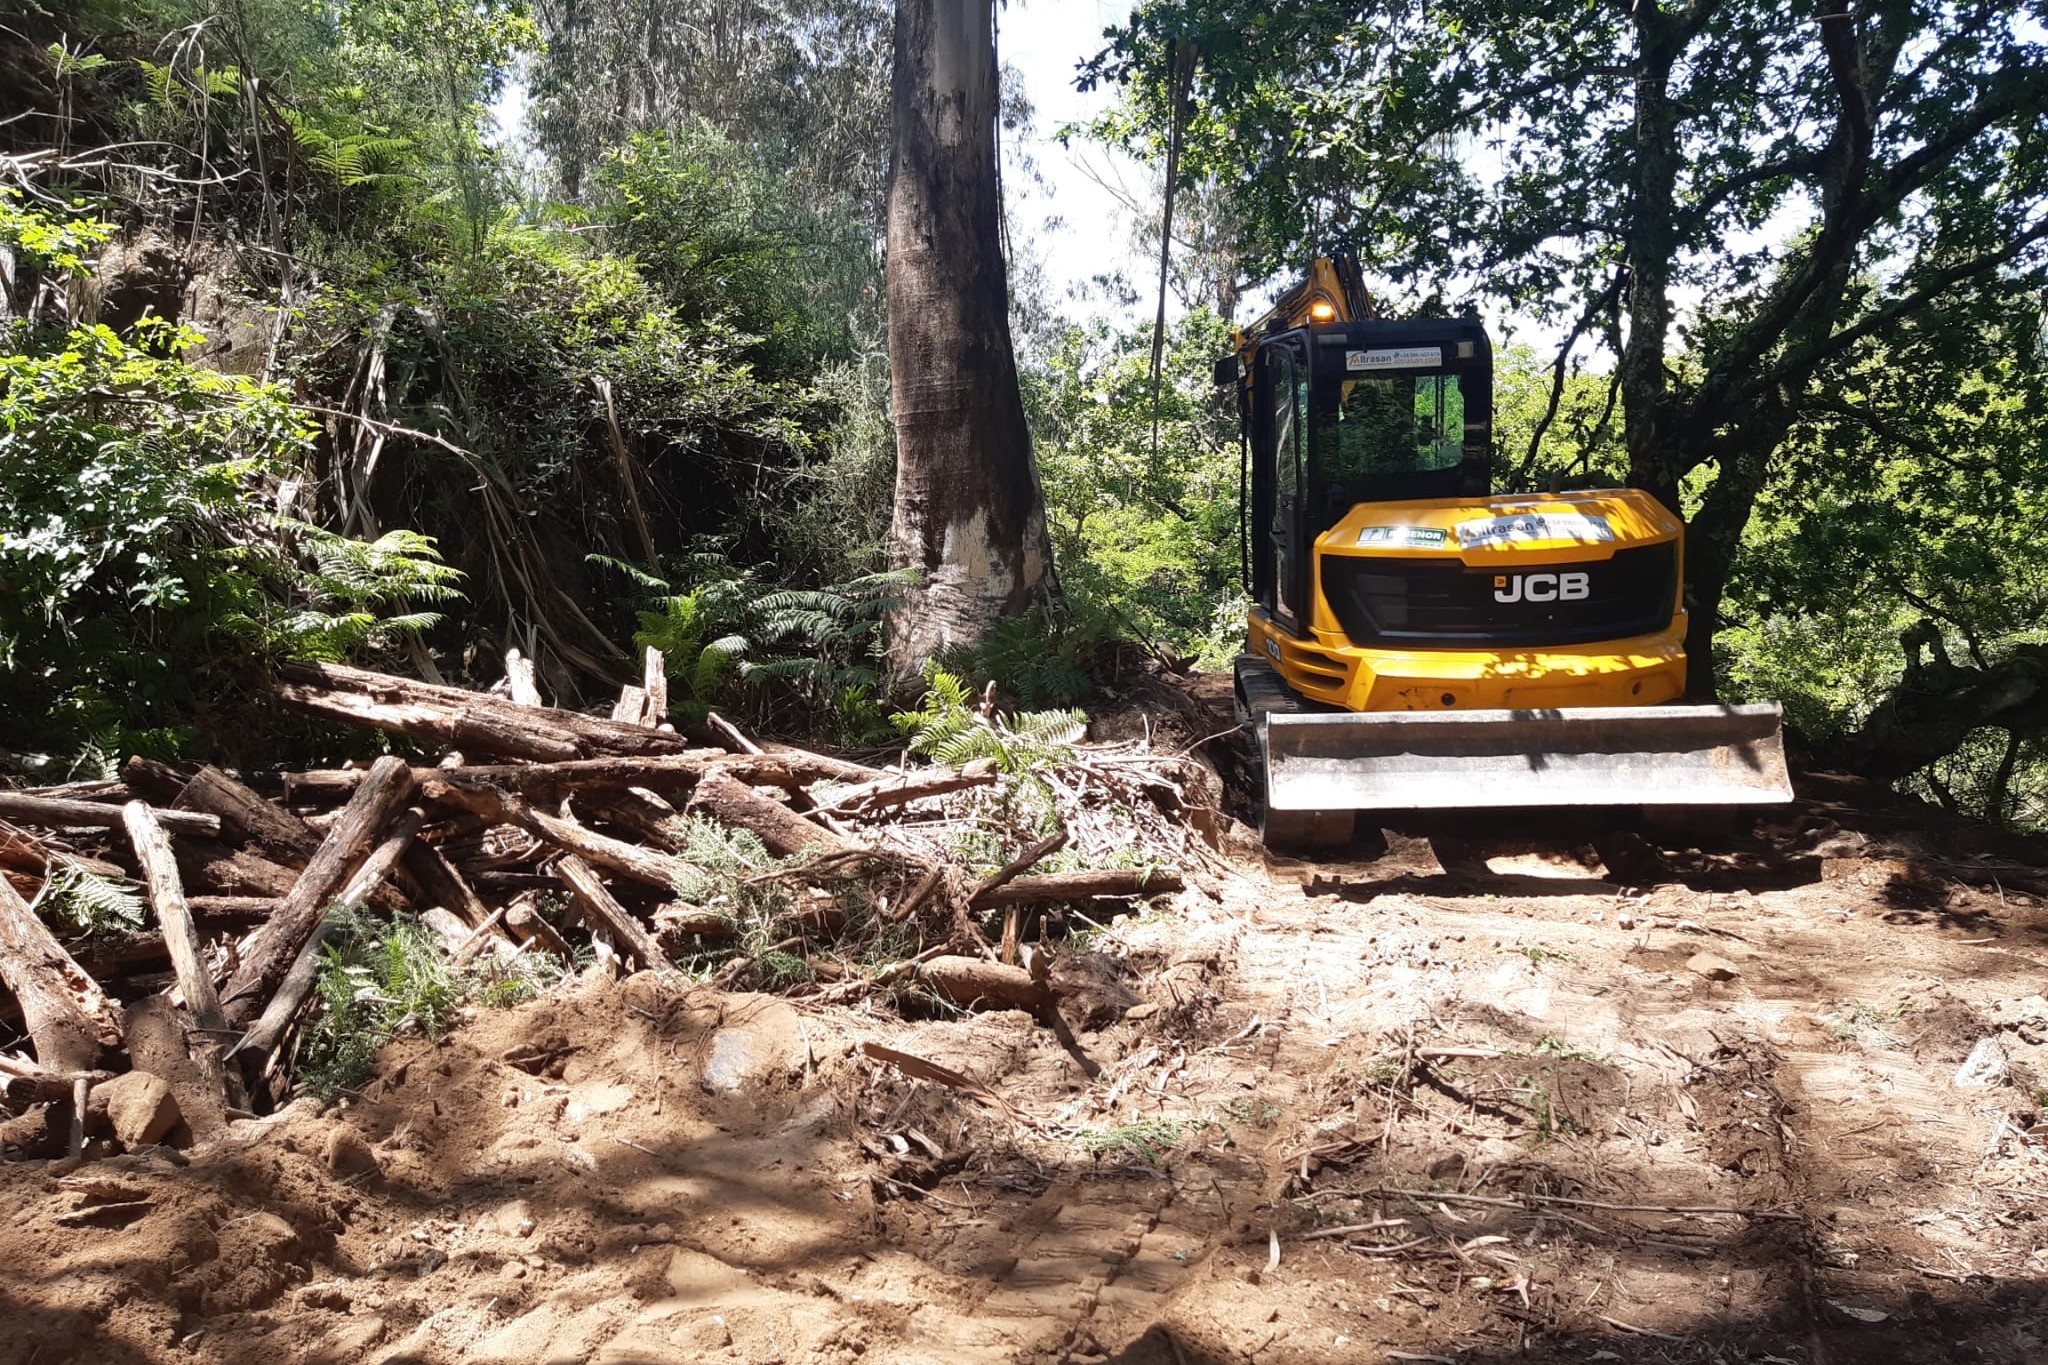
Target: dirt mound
x=1461, y=1095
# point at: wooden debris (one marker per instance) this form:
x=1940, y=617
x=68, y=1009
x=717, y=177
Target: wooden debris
x=631, y=707
x=924, y=1069
x=523, y=918
x=25, y=1084
x=274, y=947
x=523, y=801
x=225, y=871
x=67, y=1016
x=1044, y=848
x=600, y=909
x=725, y=798
x=976, y=983
x=61, y=814
x=520, y=680
x=902, y=788
x=450, y=717
x=1029, y=858
x=167, y=898
x=296, y=986
x=641, y=864
x=1074, y=886
x=654, y=683
x=246, y=817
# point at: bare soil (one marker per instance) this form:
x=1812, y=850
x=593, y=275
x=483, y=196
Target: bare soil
x=1469, y=1093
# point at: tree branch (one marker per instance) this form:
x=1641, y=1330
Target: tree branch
x=1586, y=319
x=1794, y=368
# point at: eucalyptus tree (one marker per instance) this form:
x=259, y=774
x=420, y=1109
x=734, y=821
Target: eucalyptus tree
x=805, y=83
x=969, y=514
x=1745, y=202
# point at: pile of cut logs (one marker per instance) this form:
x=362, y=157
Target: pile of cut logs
x=516, y=807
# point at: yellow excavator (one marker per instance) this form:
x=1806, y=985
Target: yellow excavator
x=1415, y=642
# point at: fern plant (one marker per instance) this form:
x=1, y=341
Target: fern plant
x=698, y=669
x=808, y=650
x=948, y=727
x=89, y=903
x=348, y=595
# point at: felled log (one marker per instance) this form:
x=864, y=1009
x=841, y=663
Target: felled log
x=451, y=717
x=443, y=885
x=92, y=789
x=26, y=1085
x=641, y=864
x=901, y=788
x=158, y=783
x=112, y=954
x=435, y=726
x=1023, y=862
x=643, y=815
x=1074, y=886
x=522, y=916
x=601, y=911
x=167, y=898
x=724, y=797
x=24, y=852
x=67, y=1016
x=58, y=813
x=246, y=817
x=680, y=920
x=295, y=985
x=791, y=769
x=272, y=949
x=811, y=767
x=234, y=872
x=977, y=983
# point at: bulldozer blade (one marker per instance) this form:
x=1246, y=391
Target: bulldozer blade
x=1591, y=756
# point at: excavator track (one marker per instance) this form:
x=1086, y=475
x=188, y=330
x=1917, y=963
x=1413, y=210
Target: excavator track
x=1260, y=694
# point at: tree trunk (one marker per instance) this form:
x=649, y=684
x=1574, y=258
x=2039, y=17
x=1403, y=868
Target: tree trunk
x=969, y=517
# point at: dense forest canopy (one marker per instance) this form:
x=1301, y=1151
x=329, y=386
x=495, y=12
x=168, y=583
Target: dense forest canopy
x=306, y=356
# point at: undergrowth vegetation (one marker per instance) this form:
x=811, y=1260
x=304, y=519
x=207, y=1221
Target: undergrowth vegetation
x=381, y=980
x=144, y=561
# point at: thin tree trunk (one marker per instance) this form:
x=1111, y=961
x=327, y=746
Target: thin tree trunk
x=969, y=515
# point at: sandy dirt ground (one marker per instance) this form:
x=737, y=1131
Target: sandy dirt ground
x=1483, y=1089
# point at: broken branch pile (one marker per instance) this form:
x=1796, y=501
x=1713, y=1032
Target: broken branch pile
x=534, y=842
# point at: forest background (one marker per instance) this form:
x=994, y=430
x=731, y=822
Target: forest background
x=303, y=359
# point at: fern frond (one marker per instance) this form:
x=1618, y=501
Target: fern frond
x=1053, y=727
x=632, y=571
x=90, y=903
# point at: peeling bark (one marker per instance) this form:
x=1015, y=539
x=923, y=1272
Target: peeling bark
x=969, y=514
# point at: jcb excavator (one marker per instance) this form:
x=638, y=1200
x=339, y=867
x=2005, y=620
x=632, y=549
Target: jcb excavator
x=1415, y=642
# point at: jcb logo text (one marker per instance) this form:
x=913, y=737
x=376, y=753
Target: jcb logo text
x=1542, y=587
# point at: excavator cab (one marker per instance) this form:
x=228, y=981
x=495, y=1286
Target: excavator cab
x=1365, y=412
x=1415, y=642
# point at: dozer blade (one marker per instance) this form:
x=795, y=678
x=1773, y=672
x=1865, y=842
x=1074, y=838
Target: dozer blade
x=1604, y=756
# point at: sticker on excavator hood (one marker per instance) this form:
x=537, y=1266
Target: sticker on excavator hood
x=1413, y=537
x=1524, y=526
x=1395, y=358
